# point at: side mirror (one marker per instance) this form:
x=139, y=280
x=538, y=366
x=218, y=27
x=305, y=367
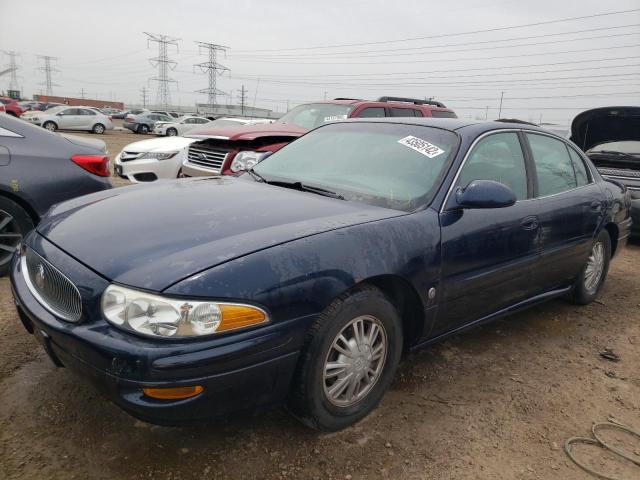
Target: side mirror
x=485, y=194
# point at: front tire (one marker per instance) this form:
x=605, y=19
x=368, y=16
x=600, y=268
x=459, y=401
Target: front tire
x=594, y=273
x=349, y=360
x=15, y=222
x=51, y=126
x=172, y=132
x=98, y=128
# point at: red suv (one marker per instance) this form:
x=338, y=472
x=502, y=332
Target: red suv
x=226, y=150
x=11, y=106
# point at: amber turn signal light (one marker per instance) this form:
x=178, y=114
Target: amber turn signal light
x=175, y=393
x=239, y=316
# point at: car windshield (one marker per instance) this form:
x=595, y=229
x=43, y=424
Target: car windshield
x=385, y=164
x=313, y=115
x=631, y=147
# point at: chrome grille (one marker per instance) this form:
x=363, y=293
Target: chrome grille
x=619, y=172
x=207, y=156
x=51, y=288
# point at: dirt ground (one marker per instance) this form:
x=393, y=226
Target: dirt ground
x=495, y=403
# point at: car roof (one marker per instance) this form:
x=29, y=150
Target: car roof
x=452, y=124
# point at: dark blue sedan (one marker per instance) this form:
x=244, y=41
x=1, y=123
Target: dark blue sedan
x=305, y=279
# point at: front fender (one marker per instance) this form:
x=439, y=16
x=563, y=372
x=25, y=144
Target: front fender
x=303, y=277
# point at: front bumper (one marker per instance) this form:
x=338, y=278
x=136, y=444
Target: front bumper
x=149, y=169
x=191, y=170
x=242, y=372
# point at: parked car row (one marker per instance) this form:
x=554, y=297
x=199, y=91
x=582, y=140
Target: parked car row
x=71, y=118
x=302, y=278
x=162, y=158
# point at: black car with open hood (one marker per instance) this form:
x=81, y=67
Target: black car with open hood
x=610, y=136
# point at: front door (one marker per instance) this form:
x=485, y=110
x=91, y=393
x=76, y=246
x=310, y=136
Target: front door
x=488, y=254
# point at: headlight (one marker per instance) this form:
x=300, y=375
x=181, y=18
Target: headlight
x=246, y=160
x=159, y=316
x=158, y=155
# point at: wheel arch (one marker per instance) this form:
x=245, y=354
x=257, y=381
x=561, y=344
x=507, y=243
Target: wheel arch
x=614, y=232
x=22, y=203
x=406, y=300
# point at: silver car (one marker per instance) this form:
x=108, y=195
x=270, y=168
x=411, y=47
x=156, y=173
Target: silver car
x=71, y=118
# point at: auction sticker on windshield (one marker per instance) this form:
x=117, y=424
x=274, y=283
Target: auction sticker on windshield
x=334, y=118
x=421, y=146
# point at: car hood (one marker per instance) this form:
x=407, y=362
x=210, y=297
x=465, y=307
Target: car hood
x=249, y=132
x=607, y=124
x=86, y=142
x=162, y=144
x=153, y=236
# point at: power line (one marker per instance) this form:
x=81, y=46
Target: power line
x=164, y=64
x=431, y=60
x=48, y=73
x=212, y=68
x=455, y=34
x=483, y=68
x=346, y=55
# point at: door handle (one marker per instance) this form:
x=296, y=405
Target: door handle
x=530, y=223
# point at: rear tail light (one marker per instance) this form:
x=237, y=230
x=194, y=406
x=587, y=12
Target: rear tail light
x=128, y=119
x=109, y=117
x=96, y=164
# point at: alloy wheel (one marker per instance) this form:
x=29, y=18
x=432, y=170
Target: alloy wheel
x=355, y=361
x=595, y=267
x=10, y=237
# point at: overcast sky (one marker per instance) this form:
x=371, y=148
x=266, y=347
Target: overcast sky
x=290, y=51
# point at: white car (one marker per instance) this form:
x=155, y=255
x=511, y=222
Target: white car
x=71, y=118
x=179, y=127
x=151, y=160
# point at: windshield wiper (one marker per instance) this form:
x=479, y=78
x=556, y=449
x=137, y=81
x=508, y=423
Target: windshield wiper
x=307, y=188
x=256, y=176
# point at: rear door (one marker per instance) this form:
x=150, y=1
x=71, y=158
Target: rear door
x=86, y=119
x=570, y=207
x=488, y=254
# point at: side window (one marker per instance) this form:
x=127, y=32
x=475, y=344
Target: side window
x=497, y=157
x=582, y=176
x=201, y=120
x=402, y=112
x=85, y=111
x=70, y=111
x=441, y=114
x=553, y=165
x=372, y=112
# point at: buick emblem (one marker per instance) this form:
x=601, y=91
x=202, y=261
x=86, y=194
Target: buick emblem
x=201, y=156
x=39, y=276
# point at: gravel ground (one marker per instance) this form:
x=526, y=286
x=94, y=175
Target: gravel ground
x=495, y=403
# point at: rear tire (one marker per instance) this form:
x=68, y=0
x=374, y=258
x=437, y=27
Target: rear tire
x=172, y=132
x=143, y=129
x=594, y=273
x=15, y=222
x=98, y=128
x=365, y=362
x=51, y=126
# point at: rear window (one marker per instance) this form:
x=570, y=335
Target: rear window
x=441, y=114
